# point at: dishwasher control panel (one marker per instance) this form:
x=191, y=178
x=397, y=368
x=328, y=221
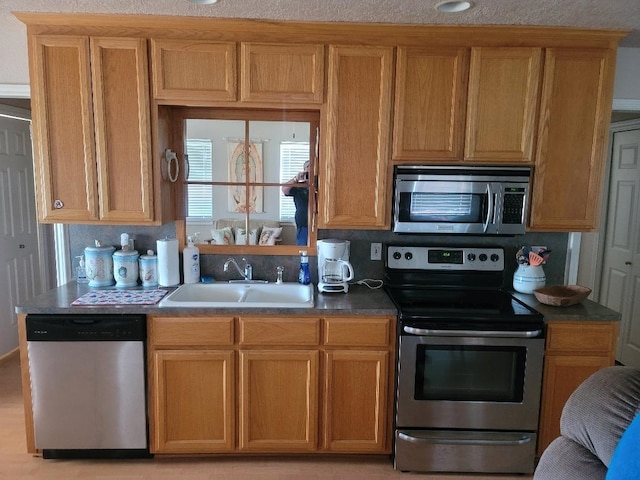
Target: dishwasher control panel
x=85, y=327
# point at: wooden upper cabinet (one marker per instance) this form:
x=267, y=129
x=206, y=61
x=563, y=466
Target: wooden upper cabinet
x=502, y=104
x=575, y=111
x=430, y=96
x=64, y=143
x=354, y=178
x=92, y=129
x=120, y=78
x=282, y=73
x=199, y=71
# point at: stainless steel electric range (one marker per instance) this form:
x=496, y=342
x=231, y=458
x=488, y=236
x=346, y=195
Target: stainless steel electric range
x=469, y=362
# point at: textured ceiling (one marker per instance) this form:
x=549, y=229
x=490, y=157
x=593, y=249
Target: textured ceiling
x=616, y=14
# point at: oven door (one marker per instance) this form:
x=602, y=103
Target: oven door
x=469, y=382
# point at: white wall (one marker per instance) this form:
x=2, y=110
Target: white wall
x=626, y=90
x=13, y=51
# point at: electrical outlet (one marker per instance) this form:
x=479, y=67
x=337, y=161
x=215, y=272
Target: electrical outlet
x=376, y=251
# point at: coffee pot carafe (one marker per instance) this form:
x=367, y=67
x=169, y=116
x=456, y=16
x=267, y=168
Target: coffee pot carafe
x=334, y=269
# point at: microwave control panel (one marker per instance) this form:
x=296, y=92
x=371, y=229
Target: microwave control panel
x=513, y=205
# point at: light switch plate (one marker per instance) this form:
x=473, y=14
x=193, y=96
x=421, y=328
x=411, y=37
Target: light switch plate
x=376, y=251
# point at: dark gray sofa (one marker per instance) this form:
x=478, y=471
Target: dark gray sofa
x=593, y=420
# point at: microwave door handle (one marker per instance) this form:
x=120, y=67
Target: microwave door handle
x=490, y=208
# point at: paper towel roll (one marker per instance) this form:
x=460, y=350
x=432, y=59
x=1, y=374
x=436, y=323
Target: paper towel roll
x=168, y=262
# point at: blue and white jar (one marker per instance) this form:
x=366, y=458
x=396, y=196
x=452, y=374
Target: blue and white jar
x=149, y=269
x=528, y=278
x=98, y=264
x=125, y=268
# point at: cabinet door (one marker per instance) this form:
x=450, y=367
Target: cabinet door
x=195, y=71
x=354, y=180
x=282, y=73
x=123, y=131
x=574, y=350
x=278, y=400
x=502, y=104
x=574, y=118
x=430, y=96
x=193, y=401
x=64, y=145
x=356, y=409
x=562, y=375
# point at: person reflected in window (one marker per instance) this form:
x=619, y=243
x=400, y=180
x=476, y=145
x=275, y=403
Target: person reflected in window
x=301, y=200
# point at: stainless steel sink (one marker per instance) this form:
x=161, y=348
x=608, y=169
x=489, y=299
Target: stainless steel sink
x=241, y=295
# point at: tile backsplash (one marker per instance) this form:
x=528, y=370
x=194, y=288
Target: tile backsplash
x=264, y=267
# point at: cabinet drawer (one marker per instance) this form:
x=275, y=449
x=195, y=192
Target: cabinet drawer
x=365, y=332
x=581, y=337
x=279, y=331
x=186, y=331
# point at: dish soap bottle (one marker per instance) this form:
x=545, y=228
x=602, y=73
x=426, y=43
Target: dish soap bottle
x=304, y=277
x=191, y=262
x=81, y=271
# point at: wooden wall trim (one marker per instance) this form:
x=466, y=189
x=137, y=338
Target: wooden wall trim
x=199, y=28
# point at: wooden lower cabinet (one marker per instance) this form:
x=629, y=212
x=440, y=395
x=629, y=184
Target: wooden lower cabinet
x=356, y=392
x=574, y=351
x=278, y=400
x=195, y=401
x=271, y=384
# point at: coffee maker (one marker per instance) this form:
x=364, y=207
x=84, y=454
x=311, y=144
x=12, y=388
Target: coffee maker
x=334, y=269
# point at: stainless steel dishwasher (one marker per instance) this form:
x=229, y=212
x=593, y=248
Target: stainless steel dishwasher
x=88, y=385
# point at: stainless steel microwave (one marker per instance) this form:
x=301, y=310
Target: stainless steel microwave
x=461, y=200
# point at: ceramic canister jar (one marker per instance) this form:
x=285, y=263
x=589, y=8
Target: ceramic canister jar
x=125, y=267
x=99, y=265
x=527, y=278
x=149, y=269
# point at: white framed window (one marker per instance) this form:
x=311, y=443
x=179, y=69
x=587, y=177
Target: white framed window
x=292, y=158
x=200, y=197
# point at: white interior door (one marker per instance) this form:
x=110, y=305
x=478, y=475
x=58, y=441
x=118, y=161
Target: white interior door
x=20, y=277
x=620, y=281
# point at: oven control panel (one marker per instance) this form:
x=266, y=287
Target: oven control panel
x=485, y=259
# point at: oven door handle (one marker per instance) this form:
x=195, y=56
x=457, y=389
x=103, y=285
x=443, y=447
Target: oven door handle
x=524, y=439
x=471, y=333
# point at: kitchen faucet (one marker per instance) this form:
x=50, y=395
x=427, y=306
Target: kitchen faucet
x=247, y=275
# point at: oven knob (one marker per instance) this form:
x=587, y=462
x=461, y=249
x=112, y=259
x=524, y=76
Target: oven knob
x=482, y=257
x=495, y=257
x=471, y=257
x=408, y=256
x=397, y=255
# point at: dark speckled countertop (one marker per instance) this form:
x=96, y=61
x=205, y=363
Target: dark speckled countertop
x=359, y=301
x=585, y=311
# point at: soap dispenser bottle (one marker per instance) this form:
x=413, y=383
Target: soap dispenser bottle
x=304, y=277
x=191, y=262
x=81, y=271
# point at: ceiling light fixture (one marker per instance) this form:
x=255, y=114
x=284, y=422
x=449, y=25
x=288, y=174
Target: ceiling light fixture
x=453, y=6
x=204, y=2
